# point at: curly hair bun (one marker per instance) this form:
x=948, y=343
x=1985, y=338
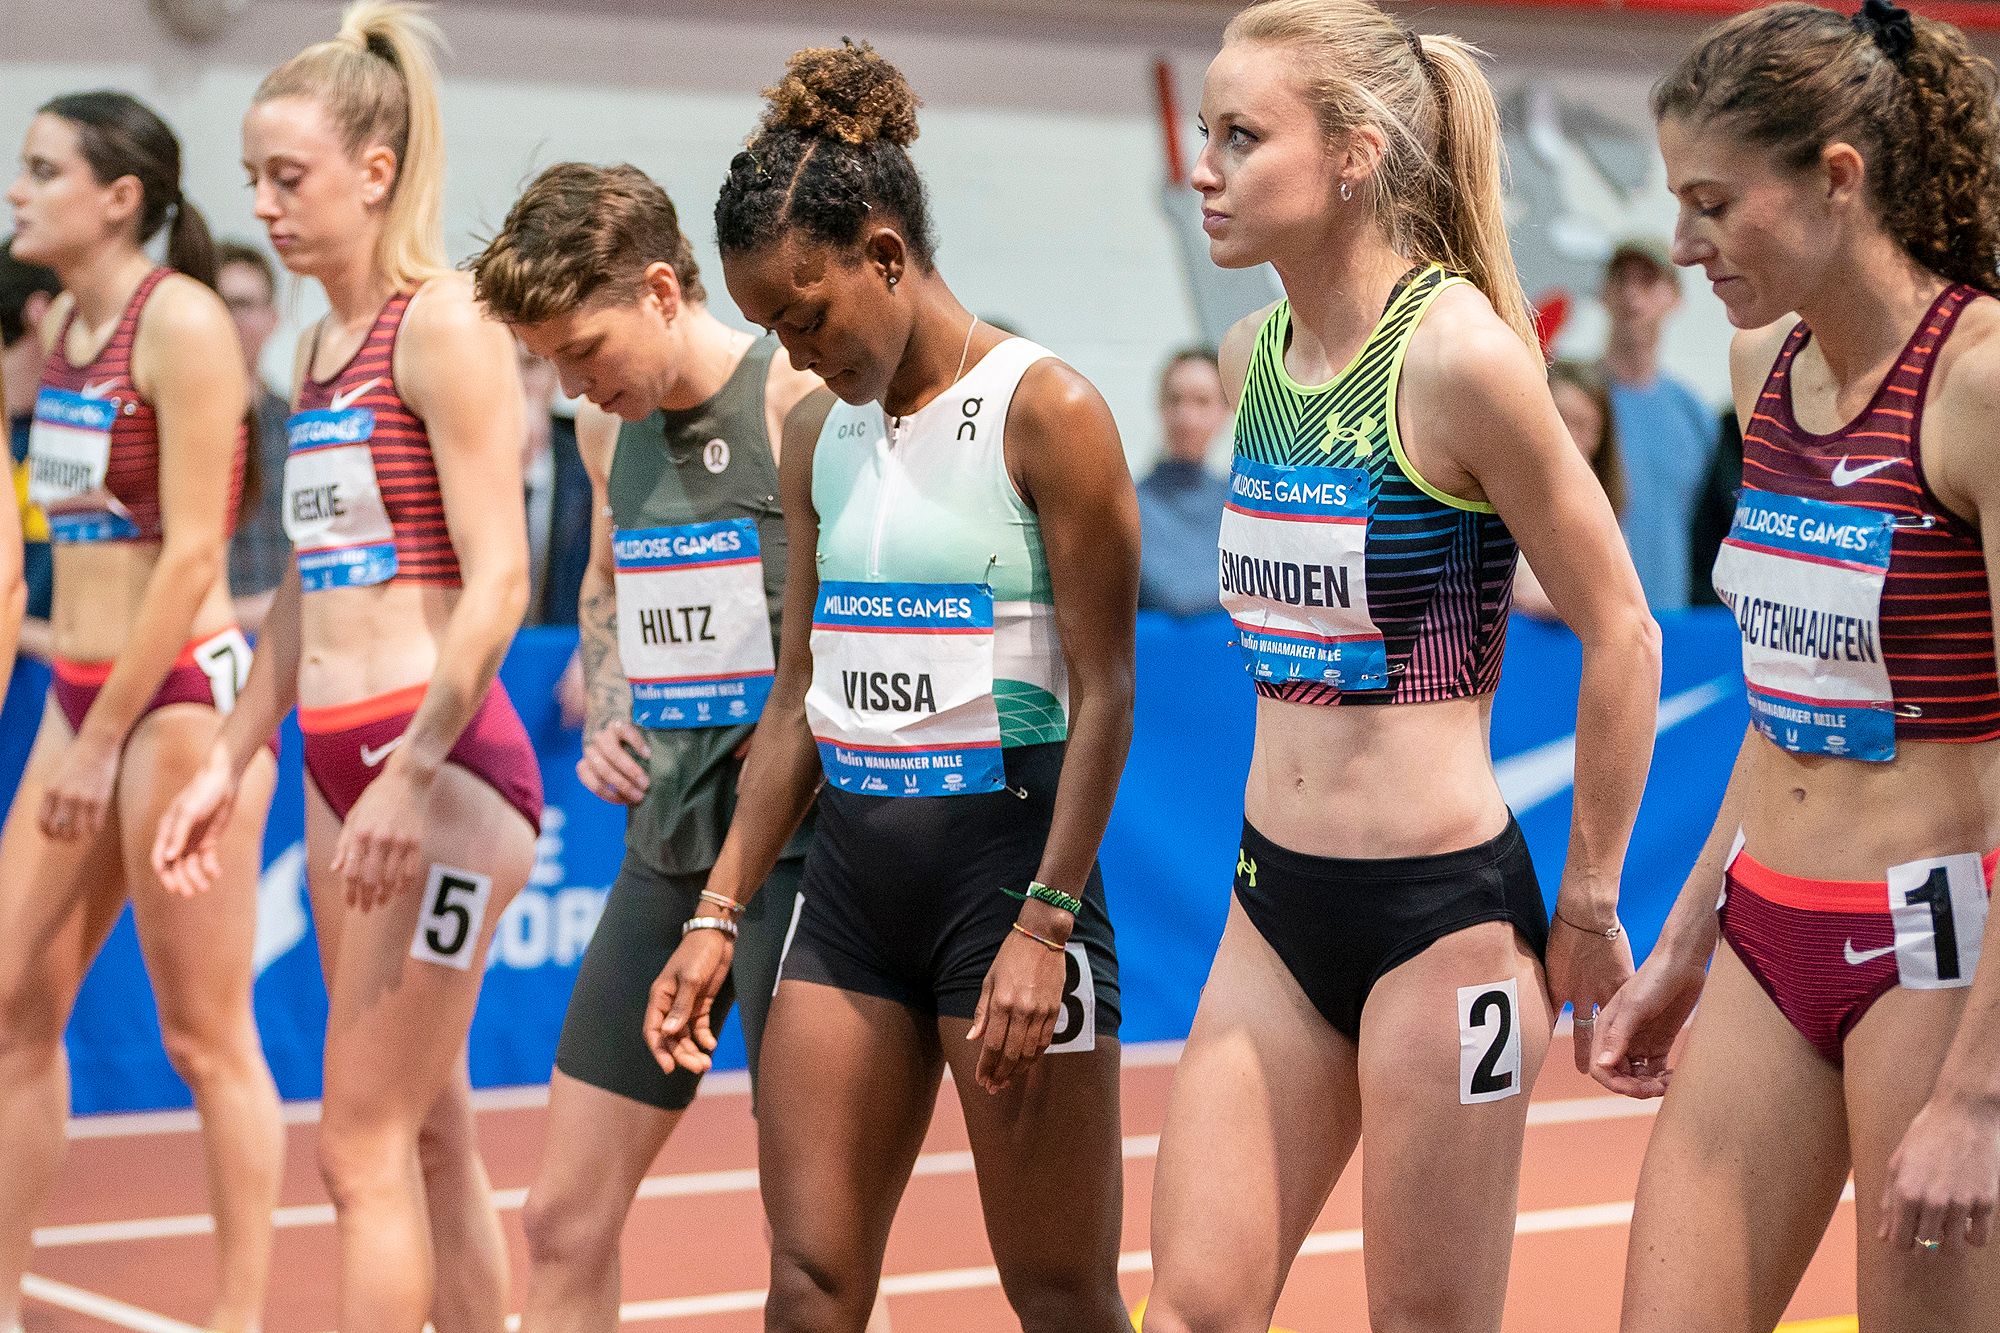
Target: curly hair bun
x=846, y=92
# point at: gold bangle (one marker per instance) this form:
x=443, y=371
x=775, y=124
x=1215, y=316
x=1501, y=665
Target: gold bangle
x=729, y=905
x=1048, y=944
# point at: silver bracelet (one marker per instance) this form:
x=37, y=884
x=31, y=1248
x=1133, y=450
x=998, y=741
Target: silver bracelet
x=1611, y=934
x=722, y=924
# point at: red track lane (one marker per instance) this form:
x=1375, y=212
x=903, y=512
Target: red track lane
x=1568, y=1262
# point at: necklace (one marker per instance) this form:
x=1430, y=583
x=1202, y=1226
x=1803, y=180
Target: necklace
x=896, y=422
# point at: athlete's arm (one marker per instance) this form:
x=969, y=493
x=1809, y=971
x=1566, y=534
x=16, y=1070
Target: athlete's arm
x=199, y=399
x=780, y=774
x=1067, y=462
x=610, y=740
x=459, y=374
x=1489, y=424
x=187, y=845
x=1944, y=1179
x=785, y=387
x=13, y=579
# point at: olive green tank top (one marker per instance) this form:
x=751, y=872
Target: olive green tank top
x=696, y=529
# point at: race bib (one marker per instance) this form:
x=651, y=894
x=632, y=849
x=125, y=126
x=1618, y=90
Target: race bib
x=901, y=700
x=69, y=456
x=694, y=632
x=333, y=503
x=1295, y=575
x=1804, y=580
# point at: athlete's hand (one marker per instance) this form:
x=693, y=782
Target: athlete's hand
x=1944, y=1179
x=186, y=853
x=1585, y=970
x=77, y=800
x=1636, y=1031
x=611, y=765
x=1018, y=1009
x=678, y=1009
x=381, y=849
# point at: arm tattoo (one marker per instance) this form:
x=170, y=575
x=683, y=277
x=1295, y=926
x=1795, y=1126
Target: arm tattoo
x=605, y=686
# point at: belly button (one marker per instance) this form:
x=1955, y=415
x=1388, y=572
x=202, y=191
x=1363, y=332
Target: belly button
x=1798, y=795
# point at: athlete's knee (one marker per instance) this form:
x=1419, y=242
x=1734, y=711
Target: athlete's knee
x=1424, y=1307
x=203, y=1053
x=1061, y=1302
x=810, y=1293
x=565, y=1232
x=364, y=1157
x=31, y=1027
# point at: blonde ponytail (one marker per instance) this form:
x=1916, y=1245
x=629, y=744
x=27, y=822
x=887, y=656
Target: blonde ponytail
x=1436, y=193
x=1467, y=211
x=378, y=81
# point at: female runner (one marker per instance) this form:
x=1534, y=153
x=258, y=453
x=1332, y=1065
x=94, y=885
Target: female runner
x=403, y=500
x=1847, y=171
x=139, y=417
x=957, y=656
x=1388, y=969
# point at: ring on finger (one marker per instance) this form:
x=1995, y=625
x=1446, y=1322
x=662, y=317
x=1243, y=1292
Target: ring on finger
x=1928, y=1245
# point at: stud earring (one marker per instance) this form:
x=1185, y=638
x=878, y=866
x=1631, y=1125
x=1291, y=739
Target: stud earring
x=1346, y=192
x=892, y=282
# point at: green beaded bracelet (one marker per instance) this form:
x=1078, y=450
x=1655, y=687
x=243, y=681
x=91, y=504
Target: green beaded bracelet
x=1053, y=897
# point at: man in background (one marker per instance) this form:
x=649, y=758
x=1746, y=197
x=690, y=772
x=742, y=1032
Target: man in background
x=1180, y=500
x=259, y=550
x=1667, y=436
x=26, y=291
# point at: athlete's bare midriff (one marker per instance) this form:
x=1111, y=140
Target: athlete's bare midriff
x=99, y=587
x=357, y=643
x=1393, y=781
x=1839, y=819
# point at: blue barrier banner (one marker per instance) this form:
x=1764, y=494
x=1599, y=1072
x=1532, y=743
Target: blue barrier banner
x=1169, y=854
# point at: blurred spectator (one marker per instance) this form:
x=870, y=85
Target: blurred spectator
x=1180, y=500
x=25, y=293
x=1668, y=437
x=259, y=550
x=1583, y=397
x=1715, y=511
x=558, y=500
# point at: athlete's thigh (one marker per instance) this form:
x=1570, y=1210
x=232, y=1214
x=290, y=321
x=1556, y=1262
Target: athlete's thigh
x=407, y=973
x=1893, y=1056
x=1745, y=1166
x=1451, y=1044
x=198, y=950
x=1262, y=1117
x=58, y=900
x=1049, y=1160
x=325, y=891
x=597, y=1149
x=848, y=1085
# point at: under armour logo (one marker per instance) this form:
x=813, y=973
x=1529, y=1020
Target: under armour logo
x=1246, y=869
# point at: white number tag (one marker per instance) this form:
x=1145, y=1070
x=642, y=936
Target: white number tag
x=1489, y=1042
x=454, y=908
x=1076, y=1026
x=1939, y=907
x=225, y=660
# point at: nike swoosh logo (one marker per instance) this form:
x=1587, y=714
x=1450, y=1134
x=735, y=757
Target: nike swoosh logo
x=370, y=758
x=341, y=401
x=1856, y=957
x=1843, y=475
x=99, y=390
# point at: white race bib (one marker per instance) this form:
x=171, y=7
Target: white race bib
x=69, y=456
x=1804, y=580
x=902, y=691
x=1295, y=575
x=333, y=504
x=694, y=631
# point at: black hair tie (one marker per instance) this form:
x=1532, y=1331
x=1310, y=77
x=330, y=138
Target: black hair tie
x=1889, y=26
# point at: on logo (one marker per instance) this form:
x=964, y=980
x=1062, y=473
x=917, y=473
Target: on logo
x=715, y=455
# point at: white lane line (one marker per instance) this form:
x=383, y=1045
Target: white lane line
x=741, y=1180
x=1540, y=1222
x=727, y=1083
x=51, y=1292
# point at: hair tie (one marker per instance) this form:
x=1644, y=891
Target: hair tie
x=1416, y=44
x=1889, y=26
